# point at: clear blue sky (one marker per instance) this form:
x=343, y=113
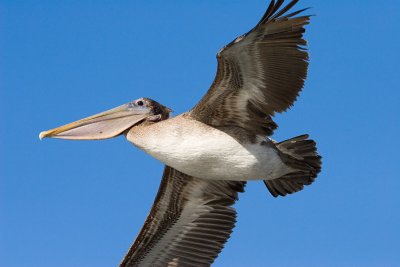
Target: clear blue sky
x=65, y=203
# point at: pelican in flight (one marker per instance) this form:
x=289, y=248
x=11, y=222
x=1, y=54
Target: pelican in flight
x=211, y=151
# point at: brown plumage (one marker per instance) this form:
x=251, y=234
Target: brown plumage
x=189, y=223
x=259, y=73
x=301, y=153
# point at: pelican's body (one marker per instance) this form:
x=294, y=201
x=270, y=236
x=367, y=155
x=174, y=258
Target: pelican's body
x=213, y=149
x=200, y=150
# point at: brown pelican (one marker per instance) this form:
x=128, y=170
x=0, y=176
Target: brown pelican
x=213, y=149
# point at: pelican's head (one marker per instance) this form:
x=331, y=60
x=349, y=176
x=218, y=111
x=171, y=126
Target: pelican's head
x=112, y=122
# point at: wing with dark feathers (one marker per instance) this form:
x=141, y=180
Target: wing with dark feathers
x=189, y=223
x=259, y=73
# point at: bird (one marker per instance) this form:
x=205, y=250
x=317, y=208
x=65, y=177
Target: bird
x=211, y=151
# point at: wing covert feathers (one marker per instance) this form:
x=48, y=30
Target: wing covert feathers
x=189, y=223
x=259, y=73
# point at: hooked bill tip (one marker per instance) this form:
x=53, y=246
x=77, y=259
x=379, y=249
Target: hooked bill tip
x=42, y=135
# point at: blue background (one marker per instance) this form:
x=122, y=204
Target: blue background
x=65, y=203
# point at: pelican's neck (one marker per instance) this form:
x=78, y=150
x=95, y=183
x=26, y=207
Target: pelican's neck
x=160, y=137
x=147, y=134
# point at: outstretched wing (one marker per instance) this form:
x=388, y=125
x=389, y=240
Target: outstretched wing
x=259, y=73
x=189, y=223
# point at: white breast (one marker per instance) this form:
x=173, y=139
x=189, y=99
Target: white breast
x=205, y=152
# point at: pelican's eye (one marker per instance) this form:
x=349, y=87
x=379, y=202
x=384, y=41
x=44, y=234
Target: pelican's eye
x=139, y=103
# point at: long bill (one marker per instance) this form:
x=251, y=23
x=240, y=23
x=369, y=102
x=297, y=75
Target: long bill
x=104, y=125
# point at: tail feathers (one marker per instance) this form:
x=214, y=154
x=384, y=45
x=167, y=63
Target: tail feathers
x=301, y=154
